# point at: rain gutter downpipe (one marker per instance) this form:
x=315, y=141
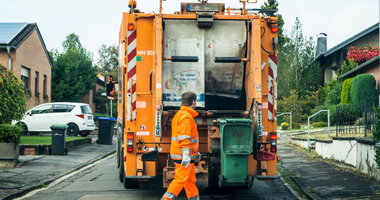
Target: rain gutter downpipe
x=10, y=58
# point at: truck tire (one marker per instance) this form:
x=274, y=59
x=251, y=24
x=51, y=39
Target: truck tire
x=213, y=173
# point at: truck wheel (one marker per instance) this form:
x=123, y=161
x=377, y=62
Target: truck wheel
x=250, y=182
x=213, y=173
x=129, y=183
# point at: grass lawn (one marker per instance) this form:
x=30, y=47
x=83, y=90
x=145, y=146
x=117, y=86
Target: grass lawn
x=41, y=140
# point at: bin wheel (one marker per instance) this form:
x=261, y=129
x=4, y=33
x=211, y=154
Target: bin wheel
x=250, y=182
x=221, y=181
x=72, y=129
x=84, y=133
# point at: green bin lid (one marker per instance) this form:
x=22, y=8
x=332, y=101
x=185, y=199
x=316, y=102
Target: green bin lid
x=234, y=120
x=58, y=126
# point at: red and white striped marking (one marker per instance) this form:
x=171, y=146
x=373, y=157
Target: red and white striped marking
x=272, y=87
x=131, y=99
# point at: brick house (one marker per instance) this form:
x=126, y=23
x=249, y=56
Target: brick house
x=23, y=51
x=332, y=59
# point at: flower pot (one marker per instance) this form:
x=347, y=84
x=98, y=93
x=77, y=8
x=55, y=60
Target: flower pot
x=8, y=154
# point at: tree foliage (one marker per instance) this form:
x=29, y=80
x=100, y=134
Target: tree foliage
x=12, y=97
x=297, y=69
x=108, y=60
x=347, y=66
x=273, y=5
x=333, y=90
x=73, y=74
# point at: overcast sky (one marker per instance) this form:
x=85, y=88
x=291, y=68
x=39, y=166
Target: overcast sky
x=97, y=22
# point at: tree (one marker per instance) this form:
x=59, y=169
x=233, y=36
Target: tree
x=12, y=100
x=273, y=5
x=108, y=61
x=297, y=69
x=73, y=73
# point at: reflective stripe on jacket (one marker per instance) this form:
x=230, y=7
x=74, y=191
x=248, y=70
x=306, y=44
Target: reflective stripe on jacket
x=184, y=133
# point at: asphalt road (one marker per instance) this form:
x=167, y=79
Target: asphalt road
x=101, y=182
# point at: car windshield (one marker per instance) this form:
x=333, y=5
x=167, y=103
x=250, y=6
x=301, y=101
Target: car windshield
x=86, y=109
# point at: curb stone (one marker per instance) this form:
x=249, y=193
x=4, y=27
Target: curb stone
x=27, y=189
x=306, y=191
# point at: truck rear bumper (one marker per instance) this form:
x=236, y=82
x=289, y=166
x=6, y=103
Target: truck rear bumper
x=266, y=178
x=142, y=178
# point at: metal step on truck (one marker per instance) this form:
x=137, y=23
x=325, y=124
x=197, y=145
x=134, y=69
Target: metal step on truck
x=227, y=56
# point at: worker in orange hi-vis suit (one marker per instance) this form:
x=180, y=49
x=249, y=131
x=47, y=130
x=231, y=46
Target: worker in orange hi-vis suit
x=184, y=149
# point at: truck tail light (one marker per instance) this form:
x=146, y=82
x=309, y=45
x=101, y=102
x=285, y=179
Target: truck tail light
x=81, y=116
x=273, y=142
x=131, y=27
x=130, y=142
x=274, y=29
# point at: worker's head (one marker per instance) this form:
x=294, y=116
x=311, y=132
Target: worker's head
x=189, y=99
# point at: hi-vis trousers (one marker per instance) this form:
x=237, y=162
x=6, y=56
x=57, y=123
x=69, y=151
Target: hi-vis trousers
x=184, y=178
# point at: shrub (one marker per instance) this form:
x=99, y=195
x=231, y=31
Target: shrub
x=332, y=92
x=320, y=124
x=284, y=126
x=296, y=126
x=12, y=100
x=10, y=133
x=376, y=136
x=345, y=94
x=359, y=121
x=363, y=87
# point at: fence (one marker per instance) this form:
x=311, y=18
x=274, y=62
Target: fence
x=353, y=119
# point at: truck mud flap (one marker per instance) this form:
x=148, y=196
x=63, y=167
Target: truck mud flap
x=151, y=156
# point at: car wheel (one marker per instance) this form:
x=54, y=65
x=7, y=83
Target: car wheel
x=72, y=129
x=24, y=128
x=84, y=133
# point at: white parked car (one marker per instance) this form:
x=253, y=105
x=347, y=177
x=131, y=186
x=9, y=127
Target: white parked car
x=77, y=116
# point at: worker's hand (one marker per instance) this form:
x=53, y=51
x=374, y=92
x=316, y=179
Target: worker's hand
x=199, y=157
x=185, y=157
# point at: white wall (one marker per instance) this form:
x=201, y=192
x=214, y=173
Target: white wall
x=361, y=156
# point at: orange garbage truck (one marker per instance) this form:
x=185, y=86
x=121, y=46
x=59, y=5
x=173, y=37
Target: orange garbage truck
x=228, y=57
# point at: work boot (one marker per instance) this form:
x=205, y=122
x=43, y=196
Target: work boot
x=194, y=198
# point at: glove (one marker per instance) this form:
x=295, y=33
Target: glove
x=185, y=157
x=199, y=157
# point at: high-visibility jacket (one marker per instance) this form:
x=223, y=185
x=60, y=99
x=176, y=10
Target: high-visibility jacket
x=184, y=134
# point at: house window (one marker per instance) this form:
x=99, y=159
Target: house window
x=36, y=92
x=44, y=86
x=25, y=76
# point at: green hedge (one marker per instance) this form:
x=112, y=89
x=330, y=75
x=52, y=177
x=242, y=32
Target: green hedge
x=363, y=87
x=320, y=124
x=346, y=88
x=10, y=133
x=12, y=97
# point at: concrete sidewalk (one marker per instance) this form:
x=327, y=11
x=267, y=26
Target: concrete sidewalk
x=38, y=171
x=321, y=180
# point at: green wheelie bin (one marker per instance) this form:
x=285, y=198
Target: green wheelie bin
x=236, y=146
